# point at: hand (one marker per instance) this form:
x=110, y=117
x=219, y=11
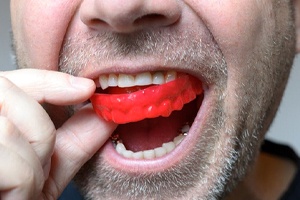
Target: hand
x=38, y=161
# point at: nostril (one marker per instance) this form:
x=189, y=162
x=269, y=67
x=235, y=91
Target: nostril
x=128, y=24
x=96, y=22
x=150, y=19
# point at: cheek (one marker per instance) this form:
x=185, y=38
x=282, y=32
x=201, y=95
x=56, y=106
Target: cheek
x=237, y=26
x=39, y=28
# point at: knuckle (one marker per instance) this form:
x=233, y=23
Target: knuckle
x=6, y=124
x=32, y=179
x=5, y=82
x=28, y=177
x=31, y=173
x=18, y=175
x=6, y=88
x=7, y=129
x=21, y=178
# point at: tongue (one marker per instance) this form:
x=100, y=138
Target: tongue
x=151, y=133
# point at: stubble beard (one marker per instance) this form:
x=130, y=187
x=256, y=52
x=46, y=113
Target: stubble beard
x=228, y=144
x=97, y=179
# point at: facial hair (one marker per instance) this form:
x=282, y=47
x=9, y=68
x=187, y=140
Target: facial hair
x=228, y=143
x=96, y=178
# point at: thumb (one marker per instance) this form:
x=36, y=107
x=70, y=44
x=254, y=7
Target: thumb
x=77, y=141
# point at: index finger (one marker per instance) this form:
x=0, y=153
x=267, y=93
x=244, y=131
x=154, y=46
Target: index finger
x=51, y=86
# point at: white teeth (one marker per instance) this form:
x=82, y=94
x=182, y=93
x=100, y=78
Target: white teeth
x=152, y=153
x=142, y=79
x=125, y=80
x=149, y=154
x=138, y=155
x=171, y=76
x=178, y=139
x=120, y=148
x=160, y=151
x=103, y=80
x=127, y=154
x=158, y=78
x=112, y=80
x=169, y=146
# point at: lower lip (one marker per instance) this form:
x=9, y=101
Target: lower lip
x=115, y=160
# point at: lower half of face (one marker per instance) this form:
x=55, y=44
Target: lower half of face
x=217, y=135
x=199, y=149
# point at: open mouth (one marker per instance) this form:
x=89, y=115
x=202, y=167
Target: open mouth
x=155, y=111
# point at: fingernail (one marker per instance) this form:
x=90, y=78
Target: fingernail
x=81, y=83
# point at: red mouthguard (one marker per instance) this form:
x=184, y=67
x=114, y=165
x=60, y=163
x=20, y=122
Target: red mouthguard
x=151, y=102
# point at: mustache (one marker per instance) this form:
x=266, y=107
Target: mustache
x=194, y=50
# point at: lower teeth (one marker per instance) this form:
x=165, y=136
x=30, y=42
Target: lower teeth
x=152, y=153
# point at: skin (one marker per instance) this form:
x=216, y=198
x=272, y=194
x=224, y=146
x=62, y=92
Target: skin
x=243, y=53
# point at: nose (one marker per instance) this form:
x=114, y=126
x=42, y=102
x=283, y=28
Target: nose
x=125, y=16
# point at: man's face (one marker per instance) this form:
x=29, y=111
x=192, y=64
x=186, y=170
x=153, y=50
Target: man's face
x=241, y=52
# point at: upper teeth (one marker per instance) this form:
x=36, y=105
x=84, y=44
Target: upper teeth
x=142, y=79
